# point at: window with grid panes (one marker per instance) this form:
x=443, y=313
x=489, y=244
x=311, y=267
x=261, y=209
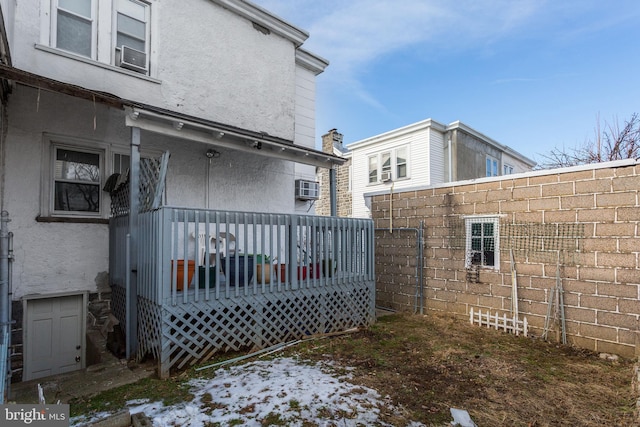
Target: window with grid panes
x=76, y=181
x=482, y=242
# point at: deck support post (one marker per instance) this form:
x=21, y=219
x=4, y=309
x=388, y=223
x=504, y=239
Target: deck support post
x=134, y=209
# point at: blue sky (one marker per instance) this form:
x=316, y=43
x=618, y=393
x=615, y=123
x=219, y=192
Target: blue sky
x=531, y=74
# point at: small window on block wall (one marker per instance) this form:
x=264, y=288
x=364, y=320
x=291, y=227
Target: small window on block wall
x=482, y=242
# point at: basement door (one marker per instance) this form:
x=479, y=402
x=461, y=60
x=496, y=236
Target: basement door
x=54, y=336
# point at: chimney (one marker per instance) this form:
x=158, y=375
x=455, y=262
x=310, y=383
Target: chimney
x=330, y=140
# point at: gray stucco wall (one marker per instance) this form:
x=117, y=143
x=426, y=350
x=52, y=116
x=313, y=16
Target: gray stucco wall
x=471, y=156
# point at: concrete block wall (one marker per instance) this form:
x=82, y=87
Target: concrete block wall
x=601, y=279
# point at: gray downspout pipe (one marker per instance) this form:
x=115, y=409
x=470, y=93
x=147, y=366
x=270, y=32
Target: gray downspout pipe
x=332, y=192
x=4, y=268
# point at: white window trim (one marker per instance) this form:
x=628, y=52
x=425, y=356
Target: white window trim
x=493, y=161
x=114, y=33
x=406, y=162
x=393, y=169
x=48, y=187
x=53, y=28
x=377, y=158
x=104, y=56
x=468, y=220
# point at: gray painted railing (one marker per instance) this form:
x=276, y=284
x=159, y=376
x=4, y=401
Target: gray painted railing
x=269, y=253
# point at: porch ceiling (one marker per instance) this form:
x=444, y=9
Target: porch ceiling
x=195, y=129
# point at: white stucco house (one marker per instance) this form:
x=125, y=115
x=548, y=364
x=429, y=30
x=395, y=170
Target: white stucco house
x=423, y=154
x=93, y=90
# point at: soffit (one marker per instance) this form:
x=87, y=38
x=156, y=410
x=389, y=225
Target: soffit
x=216, y=134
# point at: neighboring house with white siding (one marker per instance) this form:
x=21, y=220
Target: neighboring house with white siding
x=426, y=153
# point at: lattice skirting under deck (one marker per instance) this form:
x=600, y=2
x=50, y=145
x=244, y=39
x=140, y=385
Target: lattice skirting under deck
x=194, y=332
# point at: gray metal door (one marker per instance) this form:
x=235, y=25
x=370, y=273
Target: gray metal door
x=54, y=331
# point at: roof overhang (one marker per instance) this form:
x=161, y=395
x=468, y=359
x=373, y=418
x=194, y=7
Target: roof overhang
x=193, y=129
x=178, y=125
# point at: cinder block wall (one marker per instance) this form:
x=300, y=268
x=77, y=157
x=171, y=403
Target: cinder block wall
x=601, y=279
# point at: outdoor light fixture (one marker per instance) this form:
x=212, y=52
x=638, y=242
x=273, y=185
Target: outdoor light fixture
x=212, y=154
x=178, y=125
x=219, y=135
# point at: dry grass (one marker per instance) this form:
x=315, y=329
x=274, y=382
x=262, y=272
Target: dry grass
x=429, y=364
x=424, y=365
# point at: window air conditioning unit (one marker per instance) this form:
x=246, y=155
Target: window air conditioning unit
x=307, y=190
x=133, y=59
x=385, y=176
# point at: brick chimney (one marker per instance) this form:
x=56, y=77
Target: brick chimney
x=330, y=140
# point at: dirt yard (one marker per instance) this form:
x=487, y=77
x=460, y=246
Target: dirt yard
x=429, y=364
x=422, y=366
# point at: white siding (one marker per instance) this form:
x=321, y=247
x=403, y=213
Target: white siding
x=418, y=167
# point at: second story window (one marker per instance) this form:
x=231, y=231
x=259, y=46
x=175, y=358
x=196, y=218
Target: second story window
x=131, y=28
x=401, y=162
x=388, y=165
x=75, y=27
x=373, y=169
x=113, y=32
x=508, y=170
x=386, y=162
x=492, y=166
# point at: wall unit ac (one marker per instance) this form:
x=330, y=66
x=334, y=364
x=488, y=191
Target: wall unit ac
x=133, y=59
x=307, y=190
x=385, y=176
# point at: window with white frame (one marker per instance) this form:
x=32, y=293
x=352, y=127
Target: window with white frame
x=90, y=27
x=393, y=164
x=482, y=242
x=507, y=169
x=492, y=166
x=401, y=163
x=386, y=163
x=76, y=181
x=131, y=29
x=373, y=169
x=74, y=27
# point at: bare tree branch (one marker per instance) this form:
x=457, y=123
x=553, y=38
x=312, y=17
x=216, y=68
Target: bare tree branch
x=612, y=143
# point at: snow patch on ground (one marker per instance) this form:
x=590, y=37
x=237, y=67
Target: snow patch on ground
x=283, y=391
